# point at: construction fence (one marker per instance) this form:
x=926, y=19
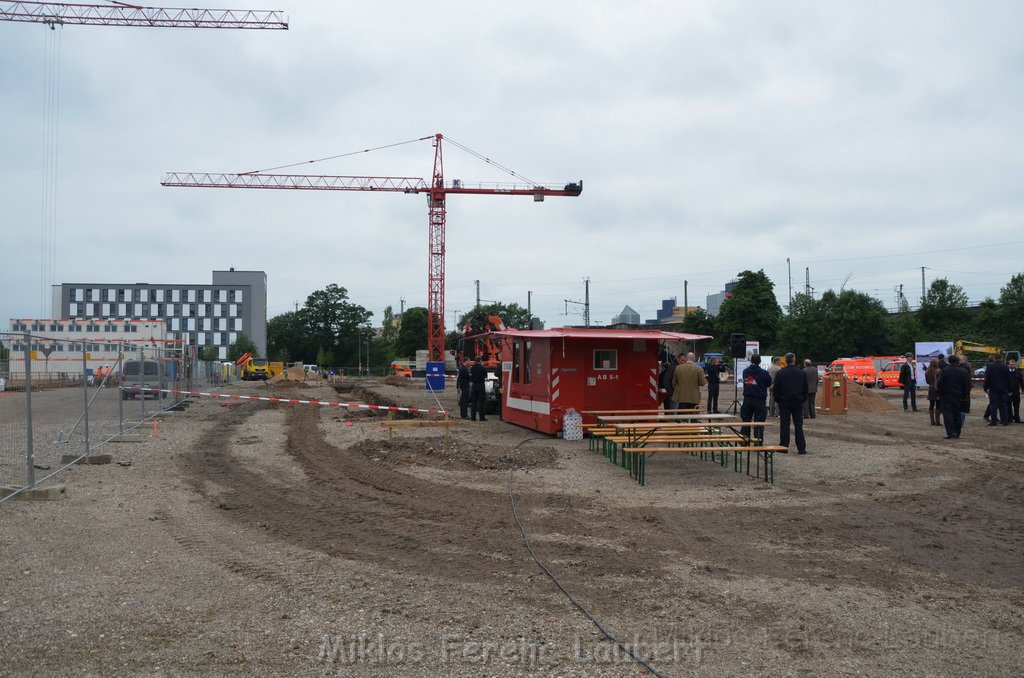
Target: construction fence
x=53, y=414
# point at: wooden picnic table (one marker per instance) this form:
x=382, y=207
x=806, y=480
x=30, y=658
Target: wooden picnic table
x=659, y=417
x=697, y=434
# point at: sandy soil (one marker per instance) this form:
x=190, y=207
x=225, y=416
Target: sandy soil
x=256, y=538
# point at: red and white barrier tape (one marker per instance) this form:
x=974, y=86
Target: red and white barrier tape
x=296, y=401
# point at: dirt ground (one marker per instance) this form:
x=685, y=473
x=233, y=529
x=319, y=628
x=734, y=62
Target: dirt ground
x=254, y=538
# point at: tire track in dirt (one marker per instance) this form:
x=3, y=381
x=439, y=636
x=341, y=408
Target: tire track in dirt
x=366, y=510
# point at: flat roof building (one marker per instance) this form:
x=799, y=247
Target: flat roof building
x=200, y=315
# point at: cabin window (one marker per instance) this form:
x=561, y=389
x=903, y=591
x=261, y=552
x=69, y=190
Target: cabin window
x=606, y=359
x=517, y=363
x=527, y=364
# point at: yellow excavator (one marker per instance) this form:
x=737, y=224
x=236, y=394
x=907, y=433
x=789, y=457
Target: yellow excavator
x=966, y=348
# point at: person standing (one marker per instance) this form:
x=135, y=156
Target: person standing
x=773, y=370
x=789, y=387
x=812, y=387
x=462, y=385
x=952, y=384
x=668, y=368
x=1016, y=384
x=714, y=369
x=686, y=383
x=478, y=390
x=997, y=385
x=756, y=382
x=934, y=410
x=908, y=380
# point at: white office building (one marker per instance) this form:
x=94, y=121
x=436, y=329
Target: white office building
x=198, y=315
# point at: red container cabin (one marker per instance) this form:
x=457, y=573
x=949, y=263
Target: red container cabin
x=546, y=372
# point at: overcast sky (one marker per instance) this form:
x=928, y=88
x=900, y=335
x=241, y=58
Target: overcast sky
x=860, y=140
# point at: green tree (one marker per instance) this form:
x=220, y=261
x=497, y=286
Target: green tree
x=858, y=325
x=208, y=354
x=332, y=324
x=751, y=309
x=904, y=331
x=412, y=335
x=699, y=322
x=513, y=315
x=987, y=326
x=287, y=340
x=801, y=329
x=242, y=345
x=1011, y=312
x=943, y=311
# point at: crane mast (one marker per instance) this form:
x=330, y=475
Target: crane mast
x=59, y=13
x=437, y=193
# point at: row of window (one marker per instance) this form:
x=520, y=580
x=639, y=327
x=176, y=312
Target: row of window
x=219, y=339
x=154, y=310
x=144, y=295
x=74, y=327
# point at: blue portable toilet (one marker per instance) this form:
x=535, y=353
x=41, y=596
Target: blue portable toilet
x=435, y=376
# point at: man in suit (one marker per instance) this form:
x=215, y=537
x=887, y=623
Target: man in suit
x=789, y=387
x=478, y=389
x=952, y=385
x=462, y=385
x=908, y=381
x=997, y=385
x=812, y=387
x=686, y=383
x=1016, y=384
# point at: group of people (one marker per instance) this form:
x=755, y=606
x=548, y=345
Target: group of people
x=788, y=391
x=949, y=392
x=791, y=391
x=471, y=384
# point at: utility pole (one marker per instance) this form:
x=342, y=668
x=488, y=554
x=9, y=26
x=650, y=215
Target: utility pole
x=789, y=269
x=686, y=298
x=477, y=293
x=807, y=281
x=922, y=285
x=529, y=304
x=586, y=305
x=402, y=302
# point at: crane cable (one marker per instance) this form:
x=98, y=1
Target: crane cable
x=334, y=157
x=400, y=143
x=52, y=44
x=551, y=575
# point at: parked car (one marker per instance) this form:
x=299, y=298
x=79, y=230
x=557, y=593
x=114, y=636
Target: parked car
x=139, y=374
x=889, y=375
x=857, y=370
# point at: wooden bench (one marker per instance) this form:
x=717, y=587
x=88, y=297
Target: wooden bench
x=766, y=452
x=392, y=424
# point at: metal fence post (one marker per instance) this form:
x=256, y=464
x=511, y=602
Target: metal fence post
x=30, y=452
x=85, y=393
x=142, y=383
x=120, y=388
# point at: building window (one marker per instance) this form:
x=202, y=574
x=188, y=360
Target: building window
x=176, y=296
x=207, y=296
x=606, y=359
x=222, y=296
x=238, y=324
x=191, y=296
x=218, y=310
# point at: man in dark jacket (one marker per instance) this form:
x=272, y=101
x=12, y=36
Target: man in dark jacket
x=1016, y=383
x=478, y=389
x=756, y=383
x=714, y=369
x=952, y=385
x=790, y=390
x=997, y=385
x=812, y=387
x=908, y=381
x=462, y=385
